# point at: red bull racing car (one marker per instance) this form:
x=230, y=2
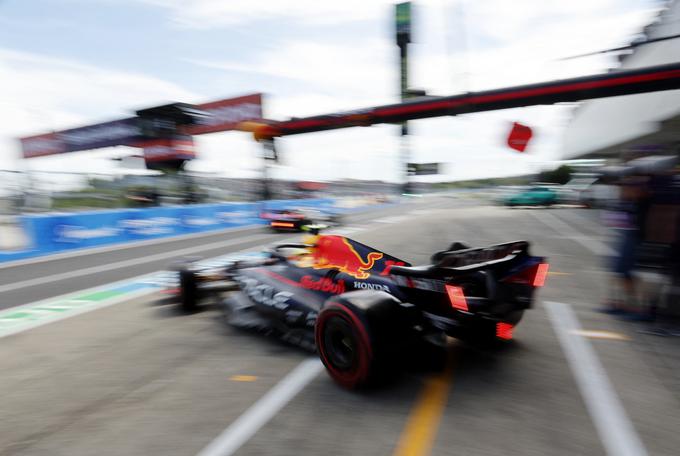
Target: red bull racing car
x=360, y=307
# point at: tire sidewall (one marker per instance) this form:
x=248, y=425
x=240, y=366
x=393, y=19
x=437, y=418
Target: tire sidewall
x=361, y=375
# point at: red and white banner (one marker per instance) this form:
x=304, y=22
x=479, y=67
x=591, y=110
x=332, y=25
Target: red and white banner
x=225, y=115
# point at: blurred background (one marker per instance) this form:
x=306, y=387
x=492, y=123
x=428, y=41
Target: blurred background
x=94, y=62
x=135, y=133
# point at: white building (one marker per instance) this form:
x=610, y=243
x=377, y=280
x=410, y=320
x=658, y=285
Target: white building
x=610, y=126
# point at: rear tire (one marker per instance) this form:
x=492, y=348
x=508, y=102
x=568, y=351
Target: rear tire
x=344, y=346
x=360, y=334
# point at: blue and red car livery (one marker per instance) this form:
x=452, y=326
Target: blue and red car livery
x=359, y=307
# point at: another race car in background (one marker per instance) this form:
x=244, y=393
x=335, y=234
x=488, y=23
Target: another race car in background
x=299, y=218
x=534, y=196
x=361, y=308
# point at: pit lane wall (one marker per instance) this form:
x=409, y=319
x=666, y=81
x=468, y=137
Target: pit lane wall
x=60, y=232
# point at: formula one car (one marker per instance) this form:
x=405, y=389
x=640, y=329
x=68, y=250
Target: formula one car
x=360, y=307
x=286, y=220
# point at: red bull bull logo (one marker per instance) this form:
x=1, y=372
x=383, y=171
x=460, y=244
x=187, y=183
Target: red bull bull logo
x=336, y=252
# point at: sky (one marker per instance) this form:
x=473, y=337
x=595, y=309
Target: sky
x=67, y=63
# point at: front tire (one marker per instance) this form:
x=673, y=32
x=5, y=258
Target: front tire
x=188, y=291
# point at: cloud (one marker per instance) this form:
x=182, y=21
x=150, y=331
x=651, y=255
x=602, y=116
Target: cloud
x=203, y=14
x=337, y=77
x=322, y=69
x=458, y=46
x=504, y=45
x=43, y=93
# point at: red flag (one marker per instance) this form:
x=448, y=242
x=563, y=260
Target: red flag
x=519, y=137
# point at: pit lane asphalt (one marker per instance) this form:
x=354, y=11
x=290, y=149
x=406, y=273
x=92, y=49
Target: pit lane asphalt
x=139, y=378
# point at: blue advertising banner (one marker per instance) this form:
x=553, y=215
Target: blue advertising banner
x=55, y=232
x=58, y=232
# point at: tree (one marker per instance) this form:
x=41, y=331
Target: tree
x=561, y=175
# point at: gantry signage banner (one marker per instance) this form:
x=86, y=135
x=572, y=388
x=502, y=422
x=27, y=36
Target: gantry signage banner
x=225, y=115
x=222, y=115
x=115, y=133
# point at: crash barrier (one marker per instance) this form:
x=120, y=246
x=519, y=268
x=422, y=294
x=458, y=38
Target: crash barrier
x=59, y=232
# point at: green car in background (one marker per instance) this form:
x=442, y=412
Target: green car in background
x=535, y=196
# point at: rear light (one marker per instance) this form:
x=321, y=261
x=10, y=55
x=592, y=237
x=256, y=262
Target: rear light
x=534, y=275
x=541, y=274
x=504, y=331
x=457, y=297
x=283, y=224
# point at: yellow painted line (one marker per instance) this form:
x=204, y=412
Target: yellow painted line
x=421, y=428
x=243, y=378
x=595, y=334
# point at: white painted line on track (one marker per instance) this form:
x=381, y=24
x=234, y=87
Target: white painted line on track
x=259, y=414
x=73, y=306
x=4, y=332
x=127, y=263
x=594, y=245
x=611, y=421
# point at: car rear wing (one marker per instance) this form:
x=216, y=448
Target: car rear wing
x=464, y=261
x=482, y=256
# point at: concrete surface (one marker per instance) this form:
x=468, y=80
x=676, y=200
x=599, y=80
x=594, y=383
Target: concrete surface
x=139, y=378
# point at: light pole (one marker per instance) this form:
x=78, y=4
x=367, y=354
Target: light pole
x=403, y=37
x=268, y=153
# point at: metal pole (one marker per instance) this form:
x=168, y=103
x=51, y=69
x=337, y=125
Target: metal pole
x=403, y=37
x=404, y=142
x=265, y=177
x=268, y=153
